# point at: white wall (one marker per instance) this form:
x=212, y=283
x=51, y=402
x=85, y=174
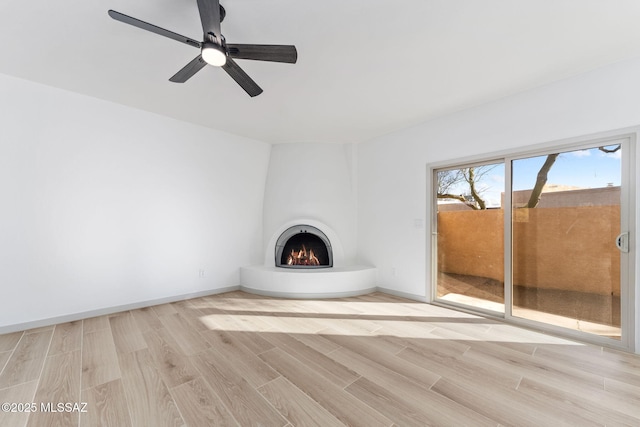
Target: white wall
x=316, y=182
x=102, y=205
x=392, y=170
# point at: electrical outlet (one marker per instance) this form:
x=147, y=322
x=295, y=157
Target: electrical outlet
x=201, y=273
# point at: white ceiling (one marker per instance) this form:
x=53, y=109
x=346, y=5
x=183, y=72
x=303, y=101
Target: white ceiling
x=365, y=67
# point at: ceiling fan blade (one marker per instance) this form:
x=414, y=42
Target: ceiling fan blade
x=210, y=18
x=154, y=29
x=241, y=78
x=264, y=52
x=188, y=70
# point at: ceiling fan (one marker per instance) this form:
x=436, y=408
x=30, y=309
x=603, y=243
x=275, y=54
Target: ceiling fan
x=214, y=49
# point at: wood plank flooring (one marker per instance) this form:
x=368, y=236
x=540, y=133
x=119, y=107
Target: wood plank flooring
x=237, y=359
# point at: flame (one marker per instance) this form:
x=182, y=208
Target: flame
x=301, y=257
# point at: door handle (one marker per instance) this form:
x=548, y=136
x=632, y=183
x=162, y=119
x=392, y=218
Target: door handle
x=622, y=241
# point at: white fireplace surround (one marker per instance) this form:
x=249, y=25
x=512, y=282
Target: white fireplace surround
x=341, y=280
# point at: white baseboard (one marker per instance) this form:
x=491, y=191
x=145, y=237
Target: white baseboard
x=400, y=294
x=110, y=310
x=140, y=304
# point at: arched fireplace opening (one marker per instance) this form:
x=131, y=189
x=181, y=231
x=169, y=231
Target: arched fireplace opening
x=303, y=246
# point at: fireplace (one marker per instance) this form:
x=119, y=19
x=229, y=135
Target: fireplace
x=305, y=247
x=293, y=274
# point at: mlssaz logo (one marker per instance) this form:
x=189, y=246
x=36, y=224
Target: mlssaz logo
x=63, y=407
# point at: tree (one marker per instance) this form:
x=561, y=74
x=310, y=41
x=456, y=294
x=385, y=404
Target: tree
x=449, y=180
x=541, y=180
x=543, y=173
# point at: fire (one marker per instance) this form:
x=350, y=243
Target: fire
x=301, y=257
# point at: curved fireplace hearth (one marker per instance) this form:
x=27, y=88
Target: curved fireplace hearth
x=343, y=279
x=304, y=247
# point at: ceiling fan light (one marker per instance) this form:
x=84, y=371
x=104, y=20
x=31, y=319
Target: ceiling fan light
x=214, y=55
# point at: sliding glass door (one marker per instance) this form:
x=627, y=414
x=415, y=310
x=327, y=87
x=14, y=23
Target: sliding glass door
x=540, y=239
x=565, y=220
x=470, y=230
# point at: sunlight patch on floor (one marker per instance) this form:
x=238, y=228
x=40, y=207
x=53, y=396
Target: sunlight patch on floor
x=567, y=322
x=335, y=325
x=473, y=302
x=538, y=316
x=329, y=307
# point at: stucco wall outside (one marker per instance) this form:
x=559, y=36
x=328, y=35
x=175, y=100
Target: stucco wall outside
x=567, y=248
x=471, y=243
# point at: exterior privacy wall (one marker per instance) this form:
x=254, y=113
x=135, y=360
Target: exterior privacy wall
x=567, y=249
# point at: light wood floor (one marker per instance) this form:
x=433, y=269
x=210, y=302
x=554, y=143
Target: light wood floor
x=242, y=360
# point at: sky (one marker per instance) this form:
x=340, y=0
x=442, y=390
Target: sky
x=589, y=168
x=584, y=168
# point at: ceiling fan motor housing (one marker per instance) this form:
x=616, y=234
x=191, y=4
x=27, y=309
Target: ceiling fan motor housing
x=214, y=54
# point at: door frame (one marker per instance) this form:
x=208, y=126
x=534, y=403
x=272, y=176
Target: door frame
x=629, y=292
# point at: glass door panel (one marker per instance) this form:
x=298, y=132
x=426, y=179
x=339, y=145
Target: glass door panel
x=565, y=215
x=470, y=236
